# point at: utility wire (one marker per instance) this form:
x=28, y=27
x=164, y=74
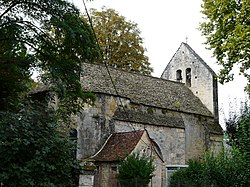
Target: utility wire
x=108, y=71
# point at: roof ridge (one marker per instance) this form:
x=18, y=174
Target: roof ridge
x=198, y=56
x=128, y=131
x=132, y=138
x=170, y=61
x=133, y=73
x=101, y=147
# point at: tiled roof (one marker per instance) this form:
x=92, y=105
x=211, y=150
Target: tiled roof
x=138, y=116
x=141, y=89
x=118, y=146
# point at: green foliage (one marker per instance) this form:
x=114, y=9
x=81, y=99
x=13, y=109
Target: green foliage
x=227, y=29
x=227, y=169
x=238, y=132
x=48, y=35
x=244, y=133
x=120, y=41
x=14, y=68
x=232, y=126
x=33, y=151
x=150, y=110
x=230, y=168
x=136, y=168
x=191, y=176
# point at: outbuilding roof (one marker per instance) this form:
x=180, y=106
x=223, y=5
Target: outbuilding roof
x=118, y=146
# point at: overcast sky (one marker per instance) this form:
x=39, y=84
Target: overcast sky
x=164, y=25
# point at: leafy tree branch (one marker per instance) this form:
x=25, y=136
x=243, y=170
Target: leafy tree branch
x=227, y=30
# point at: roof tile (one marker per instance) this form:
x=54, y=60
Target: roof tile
x=118, y=146
x=142, y=89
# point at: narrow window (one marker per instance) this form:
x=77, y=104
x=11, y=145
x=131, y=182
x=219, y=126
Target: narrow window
x=178, y=75
x=188, y=77
x=73, y=137
x=113, y=168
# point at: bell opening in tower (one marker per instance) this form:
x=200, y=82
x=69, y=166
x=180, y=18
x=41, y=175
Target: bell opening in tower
x=188, y=77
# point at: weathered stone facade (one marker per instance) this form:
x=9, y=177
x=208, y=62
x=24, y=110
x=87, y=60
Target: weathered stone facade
x=181, y=116
x=180, y=136
x=187, y=66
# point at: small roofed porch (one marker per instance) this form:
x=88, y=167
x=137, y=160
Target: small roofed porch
x=116, y=148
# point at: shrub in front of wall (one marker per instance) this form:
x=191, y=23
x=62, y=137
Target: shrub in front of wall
x=227, y=169
x=136, y=170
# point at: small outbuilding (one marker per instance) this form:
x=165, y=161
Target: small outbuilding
x=117, y=147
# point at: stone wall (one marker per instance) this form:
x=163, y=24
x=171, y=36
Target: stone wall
x=95, y=125
x=171, y=141
x=106, y=175
x=86, y=180
x=216, y=142
x=203, y=81
x=179, y=136
x=195, y=136
x=145, y=147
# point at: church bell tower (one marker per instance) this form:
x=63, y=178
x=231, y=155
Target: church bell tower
x=187, y=67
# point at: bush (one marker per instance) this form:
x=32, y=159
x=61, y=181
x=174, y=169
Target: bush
x=230, y=168
x=136, y=170
x=190, y=176
x=227, y=169
x=33, y=151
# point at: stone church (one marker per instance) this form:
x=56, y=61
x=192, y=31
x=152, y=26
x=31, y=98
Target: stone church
x=179, y=111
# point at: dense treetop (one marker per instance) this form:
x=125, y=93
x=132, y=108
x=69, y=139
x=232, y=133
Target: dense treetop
x=48, y=35
x=227, y=29
x=35, y=148
x=120, y=41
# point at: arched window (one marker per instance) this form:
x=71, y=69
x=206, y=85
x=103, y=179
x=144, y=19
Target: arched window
x=178, y=75
x=188, y=77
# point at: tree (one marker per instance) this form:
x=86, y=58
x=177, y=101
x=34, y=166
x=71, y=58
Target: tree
x=227, y=30
x=230, y=167
x=120, y=41
x=33, y=149
x=244, y=134
x=222, y=170
x=34, y=144
x=136, y=169
x=238, y=130
x=48, y=35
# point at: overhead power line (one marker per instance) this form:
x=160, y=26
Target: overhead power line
x=108, y=71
